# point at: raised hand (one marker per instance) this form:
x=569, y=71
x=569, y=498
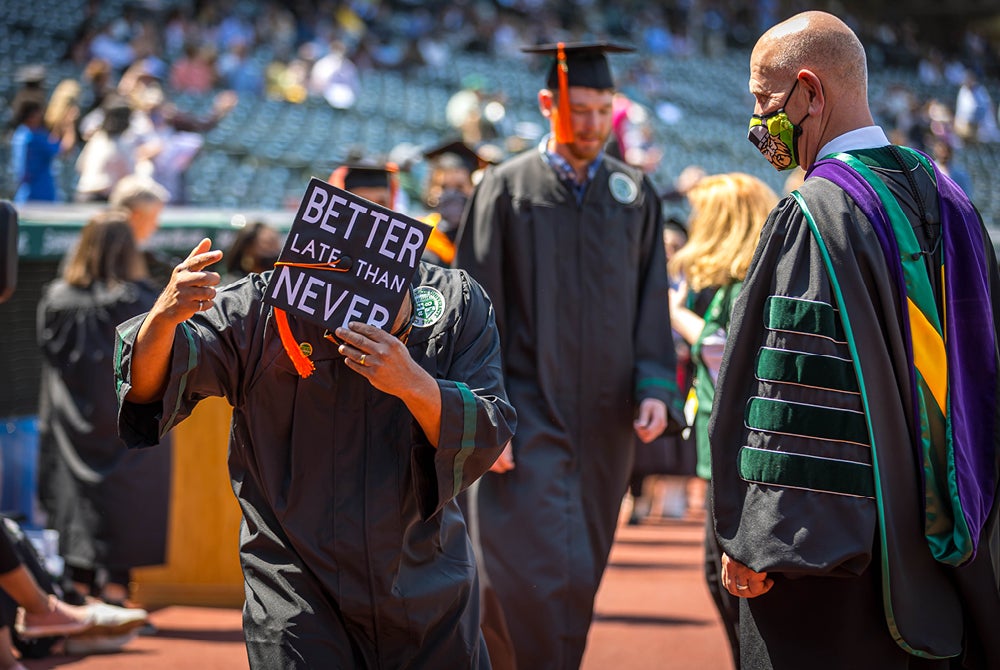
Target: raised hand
x=191, y=288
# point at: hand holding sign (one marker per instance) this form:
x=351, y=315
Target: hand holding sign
x=191, y=288
x=384, y=361
x=379, y=357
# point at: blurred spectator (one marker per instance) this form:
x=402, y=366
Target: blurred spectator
x=168, y=138
x=30, y=603
x=108, y=156
x=108, y=503
x=335, y=78
x=255, y=249
x=239, y=71
x=97, y=78
x=31, y=88
x=290, y=81
x=975, y=115
x=663, y=468
x=144, y=200
x=632, y=138
x=943, y=153
x=897, y=110
x=409, y=159
x=464, y=112
x=195, y=71
x=449, y=185
x=34, y=149
x=685, y=181
x=111, y=44
x=64, y=101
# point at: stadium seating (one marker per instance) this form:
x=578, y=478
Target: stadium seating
x=263, y=153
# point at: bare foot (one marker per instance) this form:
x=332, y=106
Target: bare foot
x=59, y=619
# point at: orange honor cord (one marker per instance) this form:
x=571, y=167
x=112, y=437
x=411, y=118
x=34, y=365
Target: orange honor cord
x=562, y=119
x=303, y=365
x=439, y=245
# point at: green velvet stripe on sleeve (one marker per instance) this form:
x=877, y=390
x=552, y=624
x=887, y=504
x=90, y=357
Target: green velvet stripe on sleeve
x=657, y=382
x=813, y=473
x=468, y=435
x=803, y=316
x=192, y=363
x=793, y=367
x=119, y=351
x=810, y=421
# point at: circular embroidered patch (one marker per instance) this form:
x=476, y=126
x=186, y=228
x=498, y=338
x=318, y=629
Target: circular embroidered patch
x=429, y=306
x=306, y=348
x=623, y=189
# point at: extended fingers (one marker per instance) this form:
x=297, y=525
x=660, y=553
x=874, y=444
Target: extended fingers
x=201, y=257
x=369, y=331
x=355, y=339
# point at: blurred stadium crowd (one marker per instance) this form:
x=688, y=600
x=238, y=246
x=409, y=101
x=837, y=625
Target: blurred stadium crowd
x=318, y=83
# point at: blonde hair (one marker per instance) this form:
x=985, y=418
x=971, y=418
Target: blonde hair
x=727, y=214
x=105, y=253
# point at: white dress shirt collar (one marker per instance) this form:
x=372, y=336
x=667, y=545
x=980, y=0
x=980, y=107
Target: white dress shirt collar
x=870, y=137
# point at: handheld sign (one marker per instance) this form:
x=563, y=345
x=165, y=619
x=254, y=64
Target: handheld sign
x=346, y=259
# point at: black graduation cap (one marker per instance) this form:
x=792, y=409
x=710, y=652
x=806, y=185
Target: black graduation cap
x=361, y=176
x=576, y=64
x=460, y=151
x=368, y=174
x=586, y=63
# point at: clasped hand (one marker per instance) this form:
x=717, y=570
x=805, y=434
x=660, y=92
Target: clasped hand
x=742, y=581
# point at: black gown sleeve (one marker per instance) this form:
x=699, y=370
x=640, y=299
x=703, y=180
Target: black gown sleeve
x=209, y=358
x=476, y=418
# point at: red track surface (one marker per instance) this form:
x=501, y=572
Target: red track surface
x=653, y=611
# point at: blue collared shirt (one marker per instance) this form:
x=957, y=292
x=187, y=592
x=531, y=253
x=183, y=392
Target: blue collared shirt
x=566, y=172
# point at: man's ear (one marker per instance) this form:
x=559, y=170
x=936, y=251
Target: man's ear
x=814, y=89
x=546, y=101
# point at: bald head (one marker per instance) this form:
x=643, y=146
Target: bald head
x=825, y=57
x=820, y=42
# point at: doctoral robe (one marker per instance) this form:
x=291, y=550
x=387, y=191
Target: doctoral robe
x=796, y=490
x=580, y=291
x=354, y=552
x=109, y=503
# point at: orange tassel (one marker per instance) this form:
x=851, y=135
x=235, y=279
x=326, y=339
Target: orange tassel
x=303, y=365
x=562, y=118
x=393, y=170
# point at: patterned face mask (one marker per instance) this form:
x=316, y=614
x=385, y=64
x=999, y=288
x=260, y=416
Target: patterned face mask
x=775, y=135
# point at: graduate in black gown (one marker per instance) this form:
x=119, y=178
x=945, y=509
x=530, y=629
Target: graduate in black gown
x=108, y=503
x=854, y=432
x=354, y=551
x=567, y=241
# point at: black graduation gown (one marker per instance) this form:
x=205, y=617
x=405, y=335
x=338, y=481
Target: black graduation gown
x=354, y=553
x=823, y=549
x=580, y=292
x=108, y=503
